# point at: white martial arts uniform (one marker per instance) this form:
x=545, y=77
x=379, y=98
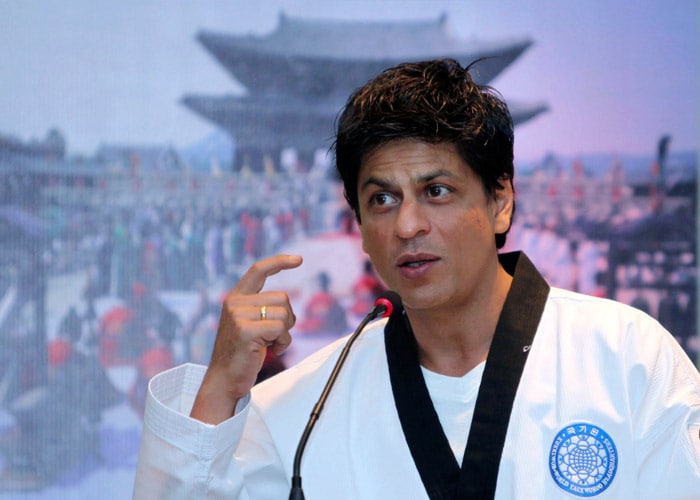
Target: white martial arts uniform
x=608, y=406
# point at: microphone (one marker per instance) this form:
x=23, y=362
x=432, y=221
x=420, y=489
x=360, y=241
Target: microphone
x=383, y=306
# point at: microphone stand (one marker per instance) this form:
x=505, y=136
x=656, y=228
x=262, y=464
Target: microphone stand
x=297, y=493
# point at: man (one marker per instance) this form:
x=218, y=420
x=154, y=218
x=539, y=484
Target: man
x=486, y=383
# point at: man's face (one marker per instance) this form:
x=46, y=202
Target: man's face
x=428, y=224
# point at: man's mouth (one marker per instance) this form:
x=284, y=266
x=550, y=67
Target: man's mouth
x=415, y=261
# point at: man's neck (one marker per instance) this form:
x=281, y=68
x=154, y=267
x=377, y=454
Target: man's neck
x=454, y=341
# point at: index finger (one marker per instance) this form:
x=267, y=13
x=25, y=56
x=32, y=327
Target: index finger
x=254, y=279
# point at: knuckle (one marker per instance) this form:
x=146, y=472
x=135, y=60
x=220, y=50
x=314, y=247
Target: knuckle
x=278, y=297
x=257, y=268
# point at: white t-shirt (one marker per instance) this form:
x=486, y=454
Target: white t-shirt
x=454, y=399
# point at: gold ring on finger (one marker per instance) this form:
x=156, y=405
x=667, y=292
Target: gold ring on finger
x=263, y=312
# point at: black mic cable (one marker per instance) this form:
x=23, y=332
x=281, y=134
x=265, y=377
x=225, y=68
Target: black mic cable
x=383, y=307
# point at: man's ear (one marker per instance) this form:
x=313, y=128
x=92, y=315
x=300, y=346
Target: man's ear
x=503, y=206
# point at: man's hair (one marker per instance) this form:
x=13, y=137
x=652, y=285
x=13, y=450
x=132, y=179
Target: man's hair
x=433, y=101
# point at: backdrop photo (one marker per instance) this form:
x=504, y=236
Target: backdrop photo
x=151, y=152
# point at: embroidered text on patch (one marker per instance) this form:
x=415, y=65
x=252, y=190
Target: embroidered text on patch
x=583, y=459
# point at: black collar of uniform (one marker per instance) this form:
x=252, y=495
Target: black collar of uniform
x=515, y=331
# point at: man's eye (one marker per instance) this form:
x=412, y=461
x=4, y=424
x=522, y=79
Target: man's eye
x=381, y=199
x=437, y=191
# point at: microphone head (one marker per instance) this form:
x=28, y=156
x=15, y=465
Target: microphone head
x=389, y=301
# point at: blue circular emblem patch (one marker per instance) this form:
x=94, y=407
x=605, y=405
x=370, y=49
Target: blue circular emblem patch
x=583, y=459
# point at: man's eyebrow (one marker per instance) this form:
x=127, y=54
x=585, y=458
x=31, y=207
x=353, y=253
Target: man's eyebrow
x=421, y=179
x=374, y=181
x=431, y=176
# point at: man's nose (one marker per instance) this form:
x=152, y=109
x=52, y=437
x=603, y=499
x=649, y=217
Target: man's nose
x=411, y=220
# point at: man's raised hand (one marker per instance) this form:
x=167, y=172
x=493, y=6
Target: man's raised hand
x=251, y=322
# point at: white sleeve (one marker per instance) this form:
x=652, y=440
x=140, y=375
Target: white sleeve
x=667, y=416
x=183, y=458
